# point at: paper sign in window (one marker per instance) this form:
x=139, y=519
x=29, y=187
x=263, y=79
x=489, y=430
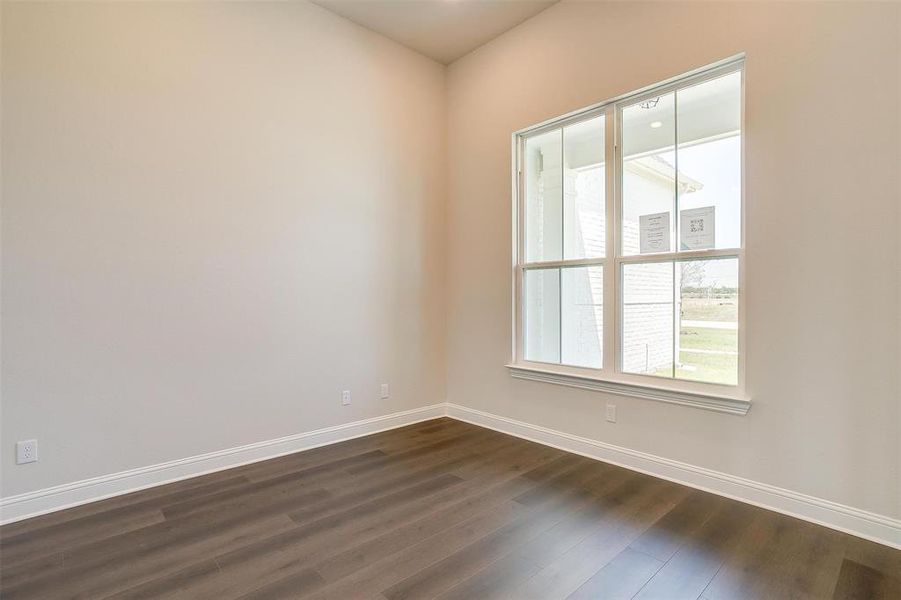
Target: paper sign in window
x=654, y=233
x=696, y=228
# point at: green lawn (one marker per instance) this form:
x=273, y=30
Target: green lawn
x=713, y=309
x=711, y=368
x=709, y=339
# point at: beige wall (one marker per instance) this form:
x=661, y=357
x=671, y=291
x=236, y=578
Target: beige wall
x=823, y=196
x=215, y=218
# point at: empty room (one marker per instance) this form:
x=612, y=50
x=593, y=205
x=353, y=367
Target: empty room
x=457, y=299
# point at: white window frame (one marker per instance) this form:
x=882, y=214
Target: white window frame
x=610, y=377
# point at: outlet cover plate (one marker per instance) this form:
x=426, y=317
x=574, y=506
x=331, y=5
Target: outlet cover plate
x=26, y=452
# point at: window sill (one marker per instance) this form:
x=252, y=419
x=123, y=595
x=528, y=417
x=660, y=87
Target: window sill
x=718, y=403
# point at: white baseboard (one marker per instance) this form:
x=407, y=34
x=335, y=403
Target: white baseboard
x=32, y=504
x=871, y=526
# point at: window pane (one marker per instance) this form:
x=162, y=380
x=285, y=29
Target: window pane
x=648, y=312
x=584, y=189
x=541, y=315
x=708, y=321
x=582, y=316
x=649, y=176
x=709, y=159
x=543, y=177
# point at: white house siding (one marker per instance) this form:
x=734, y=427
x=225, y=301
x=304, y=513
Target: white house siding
x=563, y=311
x=544, y=190
x=648, y=311
x=648, y=314
x=582, y=290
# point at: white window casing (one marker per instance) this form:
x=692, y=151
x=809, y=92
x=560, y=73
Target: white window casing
x=611, y=377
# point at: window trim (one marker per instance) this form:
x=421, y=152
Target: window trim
x=610, y=378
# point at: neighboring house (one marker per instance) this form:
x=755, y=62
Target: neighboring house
x=564, y=312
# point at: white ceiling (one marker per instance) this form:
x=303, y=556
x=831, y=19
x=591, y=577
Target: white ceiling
x=443, y=30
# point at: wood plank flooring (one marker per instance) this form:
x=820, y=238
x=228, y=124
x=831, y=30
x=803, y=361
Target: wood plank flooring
x=439, y=509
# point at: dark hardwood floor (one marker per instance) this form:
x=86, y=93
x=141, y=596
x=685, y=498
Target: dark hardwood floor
x=440, y=509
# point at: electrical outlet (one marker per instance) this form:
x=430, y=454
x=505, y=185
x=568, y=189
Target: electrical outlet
x=26, y=452
x=385, y=391
x=611, y=413
x=345, y=397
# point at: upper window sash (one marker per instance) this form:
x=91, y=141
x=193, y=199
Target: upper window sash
x=691, y=126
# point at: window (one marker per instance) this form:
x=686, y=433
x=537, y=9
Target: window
x=629, y=247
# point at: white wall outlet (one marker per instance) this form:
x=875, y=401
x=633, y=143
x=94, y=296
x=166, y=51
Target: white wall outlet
x=26, y=452
x=385, y=391
x=611, y=413
x=345, y=397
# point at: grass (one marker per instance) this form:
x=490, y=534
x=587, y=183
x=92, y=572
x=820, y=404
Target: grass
x=713, y=309
x=710, y=368
x=703, y=338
